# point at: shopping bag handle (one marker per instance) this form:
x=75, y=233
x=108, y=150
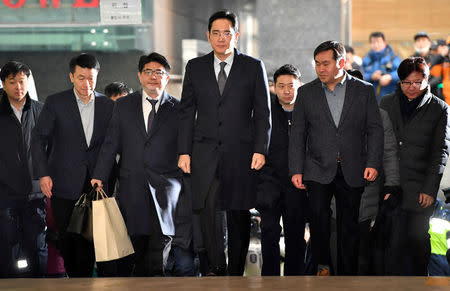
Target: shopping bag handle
x=85, y=197
x=102, y=194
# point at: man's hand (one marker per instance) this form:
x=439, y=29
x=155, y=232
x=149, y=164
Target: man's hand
x=385, y=80
x=98, y=182
x=386, y=197
x=425, y=200
x=297, y=180
x=370, y=174
x=184, y=163
x=258, y=161
x=376, y=75
x=46, y=184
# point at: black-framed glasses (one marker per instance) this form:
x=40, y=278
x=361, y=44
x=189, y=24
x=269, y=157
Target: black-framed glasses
x=157, y=72
x=416, y=84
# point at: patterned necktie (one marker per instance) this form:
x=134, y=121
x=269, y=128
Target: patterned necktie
x=222, y=78
x=152, y=113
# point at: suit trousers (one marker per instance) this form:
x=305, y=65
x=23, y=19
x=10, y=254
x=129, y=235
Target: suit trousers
x=151, y=250
x=77, y=252
x=238, y=227
x=291, y=207
x=347, y=207
x=212, y=234
x=214, y=238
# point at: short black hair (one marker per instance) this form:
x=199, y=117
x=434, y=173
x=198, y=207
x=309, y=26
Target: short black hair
x=224, y=14
x=287, y=69
x=355, y=73
x=413, y=64
x=349, y=49
x=377, y=34
x=335, y=46
x=153, y=57
x=13, y=68
x=117, y=88
x=84, y=61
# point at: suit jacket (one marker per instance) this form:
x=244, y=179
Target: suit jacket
x=221, y=132
x=68, y=160
x=144, y=158
x=316, y=141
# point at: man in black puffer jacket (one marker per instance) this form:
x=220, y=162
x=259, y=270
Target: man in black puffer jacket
x=277, y=197
x=422, y=127
x=22, y=205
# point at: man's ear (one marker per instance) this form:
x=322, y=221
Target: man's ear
x=340, y=63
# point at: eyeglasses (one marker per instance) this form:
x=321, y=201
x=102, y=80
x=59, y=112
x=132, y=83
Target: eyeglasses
x=150, y=72
x=416, y=84
x=225, y=34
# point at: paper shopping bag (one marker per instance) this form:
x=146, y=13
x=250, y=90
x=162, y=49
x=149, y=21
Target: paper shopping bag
x=111, y=240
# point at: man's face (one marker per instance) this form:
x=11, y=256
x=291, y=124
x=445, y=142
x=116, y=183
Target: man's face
x=422, y=44
x=154, y=79
x=348, y=61
x=377, y=44
x=84, y=80
x=222, y=37
x=326, y=68
x=16, y=86
x=414, y=85
x=286, y=89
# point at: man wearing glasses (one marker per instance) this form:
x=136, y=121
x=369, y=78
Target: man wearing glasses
x=224, y=137
x=143, y=131
x=422, y=128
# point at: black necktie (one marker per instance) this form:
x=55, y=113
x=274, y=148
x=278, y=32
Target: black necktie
x=152, y=113
x=222, y=78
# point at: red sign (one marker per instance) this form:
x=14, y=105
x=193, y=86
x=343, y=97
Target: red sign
x=55, y=3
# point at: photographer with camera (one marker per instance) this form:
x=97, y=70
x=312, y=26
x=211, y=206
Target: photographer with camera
x=380, y=65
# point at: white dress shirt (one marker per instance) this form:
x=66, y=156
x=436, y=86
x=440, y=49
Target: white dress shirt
x=87, y=112
x=227, y=68
x=147, y=106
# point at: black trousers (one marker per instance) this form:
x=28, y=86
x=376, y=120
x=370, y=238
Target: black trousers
x=150, y=253
x=291, y=207
x=347, y=208
x=409, y=249
x=77, y=252
x=22, y=228
x=213, y=235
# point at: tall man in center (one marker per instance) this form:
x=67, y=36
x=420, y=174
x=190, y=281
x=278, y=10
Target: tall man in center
x=223, y=139
x=335, y=148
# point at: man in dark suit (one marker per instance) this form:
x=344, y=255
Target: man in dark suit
x=144, y=130
x=224, y=131
x=336, y=145
x=65, y=144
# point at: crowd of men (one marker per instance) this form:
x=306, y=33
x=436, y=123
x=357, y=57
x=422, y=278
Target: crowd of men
x=185, y=172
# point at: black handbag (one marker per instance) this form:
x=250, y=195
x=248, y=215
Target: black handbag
x=81, y=218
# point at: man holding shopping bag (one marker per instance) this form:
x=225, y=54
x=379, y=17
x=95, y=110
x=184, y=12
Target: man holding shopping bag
x=143, y=131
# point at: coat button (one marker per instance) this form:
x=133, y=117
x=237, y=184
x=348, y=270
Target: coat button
x=220, y=123
x=220, y=142
x=400, y=143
